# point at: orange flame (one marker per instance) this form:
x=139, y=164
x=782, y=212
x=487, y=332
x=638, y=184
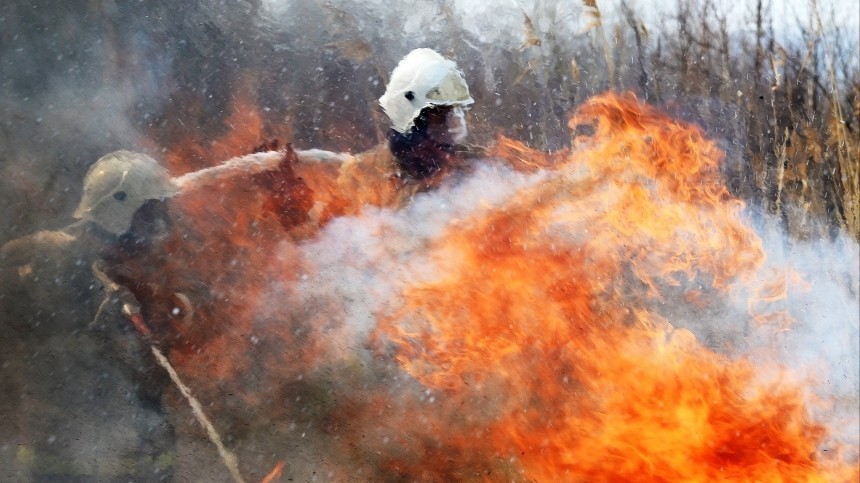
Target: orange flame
x=276, y=473
x=547, y=347
x=554, y=302
x=243, y=130
x=774, y=290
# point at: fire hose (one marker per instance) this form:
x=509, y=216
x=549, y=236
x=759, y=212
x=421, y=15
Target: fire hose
x=229, y=459
x=136, y=318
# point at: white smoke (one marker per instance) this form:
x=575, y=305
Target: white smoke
x=823, y=342
x=360, y=263
x=354, y=270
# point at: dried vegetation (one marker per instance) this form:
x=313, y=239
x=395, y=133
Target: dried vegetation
x=780, y=93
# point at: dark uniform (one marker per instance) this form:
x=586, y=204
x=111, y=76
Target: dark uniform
x=77, y=395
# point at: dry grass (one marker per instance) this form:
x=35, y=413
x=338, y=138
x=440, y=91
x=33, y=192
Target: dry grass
x=785, y=106
x=789, y=106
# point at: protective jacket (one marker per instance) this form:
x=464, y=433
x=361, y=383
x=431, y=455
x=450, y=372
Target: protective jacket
x=344, y=184
x=76, y=383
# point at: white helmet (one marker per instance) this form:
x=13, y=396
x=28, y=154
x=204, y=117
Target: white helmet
x=423, y=78
x=117, y=185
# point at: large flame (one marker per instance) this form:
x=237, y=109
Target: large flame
x=549, y=349
x=553, y=302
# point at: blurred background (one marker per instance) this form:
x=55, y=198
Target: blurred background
x=192, y=83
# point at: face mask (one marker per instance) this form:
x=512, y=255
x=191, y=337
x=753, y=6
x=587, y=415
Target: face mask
x=456, y=121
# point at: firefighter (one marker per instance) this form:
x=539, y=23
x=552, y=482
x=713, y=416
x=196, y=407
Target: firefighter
x=81, y=393
x=426, y=102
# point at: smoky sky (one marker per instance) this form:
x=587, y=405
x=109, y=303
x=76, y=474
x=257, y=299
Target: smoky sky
x=80, y=78
x=83, y=78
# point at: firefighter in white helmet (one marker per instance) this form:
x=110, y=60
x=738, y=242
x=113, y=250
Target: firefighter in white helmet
x=75, y=364
x=426, y=101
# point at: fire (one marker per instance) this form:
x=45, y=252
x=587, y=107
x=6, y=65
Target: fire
x=276, y=473
x=554, y=302
x=245, y=128
x=776, y=289
x=550, y=348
